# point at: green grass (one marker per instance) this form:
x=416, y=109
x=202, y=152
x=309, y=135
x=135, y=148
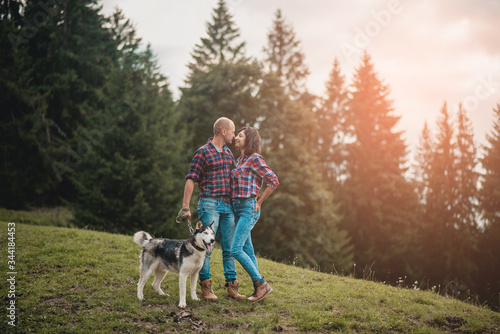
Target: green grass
x=79, y=281
x=59, y=216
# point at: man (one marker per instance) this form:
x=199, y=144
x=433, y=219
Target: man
x=211, y=168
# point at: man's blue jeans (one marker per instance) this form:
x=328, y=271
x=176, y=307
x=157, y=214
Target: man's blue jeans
x=242, y=247
x=221, y=214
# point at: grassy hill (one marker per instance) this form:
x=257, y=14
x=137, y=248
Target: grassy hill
x=78, y=281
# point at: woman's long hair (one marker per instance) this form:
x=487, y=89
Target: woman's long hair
x=253, y=142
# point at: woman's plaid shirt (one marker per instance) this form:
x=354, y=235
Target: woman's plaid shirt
x=212, y=170
x=248, y=175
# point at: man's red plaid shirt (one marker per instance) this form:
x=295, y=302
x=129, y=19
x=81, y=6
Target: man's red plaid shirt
x=212, y=170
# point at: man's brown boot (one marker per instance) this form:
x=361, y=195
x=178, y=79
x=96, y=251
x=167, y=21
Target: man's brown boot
x=232, y=290
x=261, y=291
x=206, y=290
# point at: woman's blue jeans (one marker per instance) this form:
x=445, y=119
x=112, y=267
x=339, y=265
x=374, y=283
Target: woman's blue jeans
x=221, y=214
x=242, y=247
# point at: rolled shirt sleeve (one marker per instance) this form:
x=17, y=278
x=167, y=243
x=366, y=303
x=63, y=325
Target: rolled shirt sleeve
x=260, y=168
x=197, y=165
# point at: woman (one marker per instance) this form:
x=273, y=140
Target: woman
x=246, y=180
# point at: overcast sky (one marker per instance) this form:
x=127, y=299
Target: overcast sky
x=427, y=51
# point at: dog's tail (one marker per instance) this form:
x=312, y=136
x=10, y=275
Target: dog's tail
x=141, y=238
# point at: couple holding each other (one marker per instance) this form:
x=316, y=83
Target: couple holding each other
x=230, y=198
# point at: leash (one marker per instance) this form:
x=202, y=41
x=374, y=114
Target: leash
x=181, y=217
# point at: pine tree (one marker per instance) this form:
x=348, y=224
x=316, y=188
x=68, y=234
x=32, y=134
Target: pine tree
x=331, y=122
x=464, y=244
x=221, y=45
x=423, y=162
x=20, y=163
x=448, y=188
x=450, y=197
x=439, y=199
x=467, y=176
x=489, y=204
x=302, y=216
x=422, y=170
x=132, y=174
x=379, y=203
x=490, y=197
x=285, y=58
x=222, y=81
x=284, y=63
x=62, y=57
x=71, y=55
x=443, y=177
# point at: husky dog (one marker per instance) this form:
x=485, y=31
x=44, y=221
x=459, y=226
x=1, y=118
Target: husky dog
x=181, y=257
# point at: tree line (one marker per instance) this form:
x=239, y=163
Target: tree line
x=88, y=121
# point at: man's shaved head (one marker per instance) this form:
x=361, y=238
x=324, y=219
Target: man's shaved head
x=222, y=123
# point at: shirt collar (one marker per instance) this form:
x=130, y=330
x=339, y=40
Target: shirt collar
x=215, y=147
x=243, y=158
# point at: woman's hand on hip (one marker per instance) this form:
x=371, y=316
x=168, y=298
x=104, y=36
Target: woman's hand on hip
x=257, y=207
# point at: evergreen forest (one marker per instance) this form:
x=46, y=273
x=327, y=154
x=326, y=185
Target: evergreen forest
x=89, y=122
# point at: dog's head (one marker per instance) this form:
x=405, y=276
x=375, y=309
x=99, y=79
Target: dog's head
x=205, y=235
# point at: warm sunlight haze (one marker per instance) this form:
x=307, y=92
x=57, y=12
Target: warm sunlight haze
x=426, y=51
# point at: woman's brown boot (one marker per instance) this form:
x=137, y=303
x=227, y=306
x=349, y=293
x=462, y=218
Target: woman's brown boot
x=261, y=291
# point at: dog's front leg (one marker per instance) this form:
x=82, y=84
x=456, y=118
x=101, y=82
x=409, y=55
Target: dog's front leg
x=182, y=289
x=194, y=281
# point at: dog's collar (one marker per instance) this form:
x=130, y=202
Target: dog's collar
x=191, y=241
